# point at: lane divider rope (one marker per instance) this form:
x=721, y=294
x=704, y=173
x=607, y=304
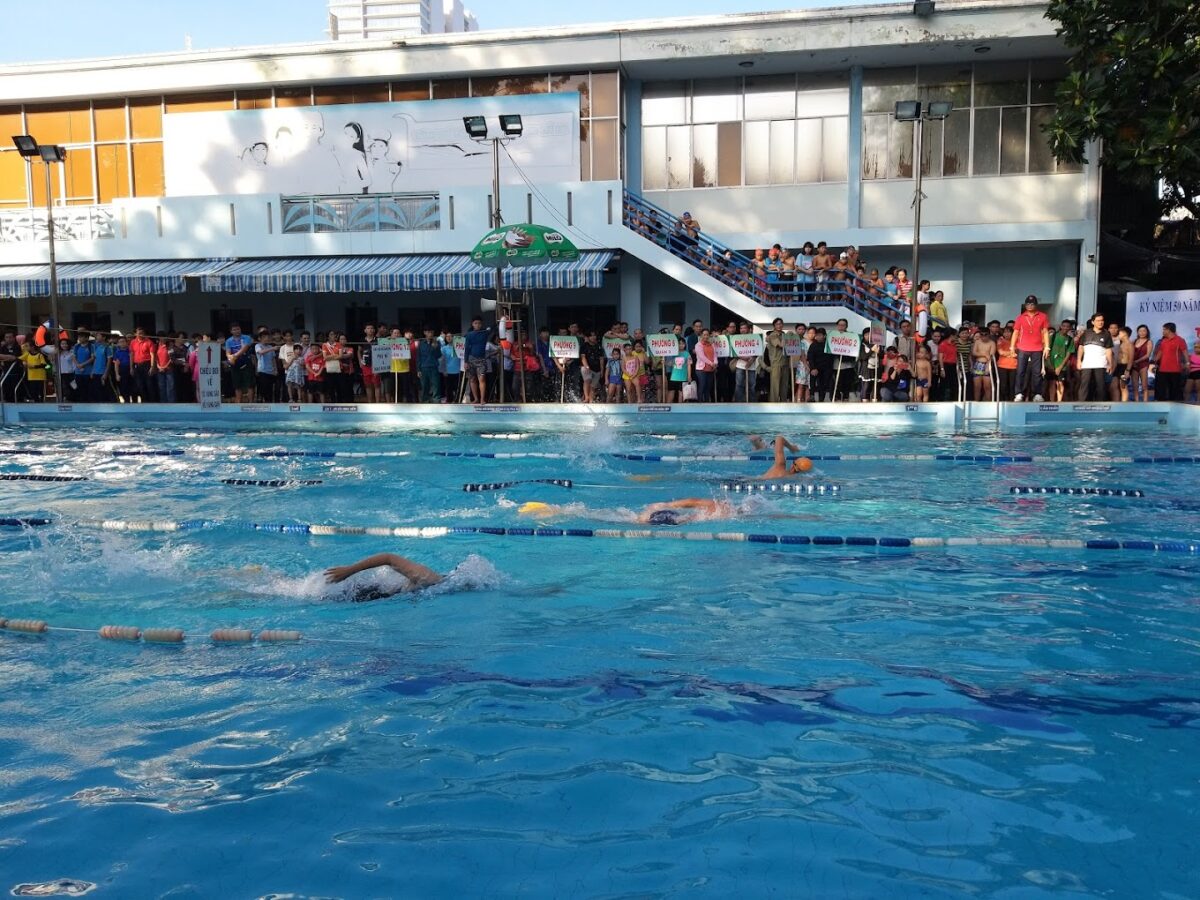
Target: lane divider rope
x=442, y=531
x=252, y=482
x=27, y=477
x=501, y=485
x=134, y=634
x=1080, y=491
x=768, y=487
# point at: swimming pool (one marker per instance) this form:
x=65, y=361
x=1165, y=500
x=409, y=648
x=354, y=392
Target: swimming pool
x=611, y=715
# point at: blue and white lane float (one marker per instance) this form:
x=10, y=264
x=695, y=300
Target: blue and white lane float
x=480, y=487
x=772, y=487
x=801, y=540
x=1079, y=491
x=135, y=634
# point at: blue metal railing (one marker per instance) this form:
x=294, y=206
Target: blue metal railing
x=737, y=271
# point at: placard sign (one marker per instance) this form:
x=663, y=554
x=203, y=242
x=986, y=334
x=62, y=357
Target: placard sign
x=842, y=343
x=662, y=346
x=878, y=334
x=720, y=343
x=208, y=374
x=381, y=356
x=459, y=342
x=564, y=346
x=612, y=342
x=747, y=346
x=401, y=354
x=793, y=344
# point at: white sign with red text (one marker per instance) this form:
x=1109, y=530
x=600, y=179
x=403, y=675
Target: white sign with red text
x=747, y=346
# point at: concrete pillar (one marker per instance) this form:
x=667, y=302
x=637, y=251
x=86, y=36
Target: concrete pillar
x=854, y=152
x=310, y=313
x=1069, y=266
x=24, y=318
x=631, y=291
x=1089, y=250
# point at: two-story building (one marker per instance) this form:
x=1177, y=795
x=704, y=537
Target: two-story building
x=329, y=184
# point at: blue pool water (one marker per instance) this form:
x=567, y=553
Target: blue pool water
x=602, y=717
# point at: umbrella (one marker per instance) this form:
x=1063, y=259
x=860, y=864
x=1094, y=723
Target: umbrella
x=523, y=245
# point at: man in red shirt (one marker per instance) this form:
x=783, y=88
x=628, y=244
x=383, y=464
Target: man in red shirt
x=141, y=352
x=1031, y=337
x=1171, y=358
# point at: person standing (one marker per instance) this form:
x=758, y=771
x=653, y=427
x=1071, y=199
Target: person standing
x=429, y=355
x=1095, y=360
x=265, y=374
x=706, y=365
x=35, y=372
x=1031, y=332
x=1006, y=364
x=1171, y=359
x=102, y=359
x=239, y=351
x=476, y=358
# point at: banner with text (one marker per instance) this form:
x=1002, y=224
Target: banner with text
x=793, y=344
x=208, y=374
x=662, y=346
x=1154, y=308
x=564, y=346
x=842, y=343
x=746, y=346
x=367, y=148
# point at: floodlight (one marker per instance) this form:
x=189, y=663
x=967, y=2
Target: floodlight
x=923, y=7
x=52, y=153
x=476, y=127
x=511, y=125
x=939, y=109
x=26, y=145
x=908, y=110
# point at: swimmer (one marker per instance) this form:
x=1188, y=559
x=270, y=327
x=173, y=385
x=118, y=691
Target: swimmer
x=780, y=468
x=418, y=576
x=680, y=512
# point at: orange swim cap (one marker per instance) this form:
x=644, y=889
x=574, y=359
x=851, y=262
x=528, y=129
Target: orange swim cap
x=804, y=464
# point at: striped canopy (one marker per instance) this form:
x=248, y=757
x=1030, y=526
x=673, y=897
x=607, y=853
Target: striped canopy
x=449, y=272
x=105, y=279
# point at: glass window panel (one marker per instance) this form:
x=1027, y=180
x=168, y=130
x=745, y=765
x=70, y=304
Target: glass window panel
x=605, y=94
x=875, y=146
x=1069, y=166
x=956, y=143
x=679, y=157
x=10, y=122
x=757, y=151
x=783, y=152
x=254, y=99
x=1041, y=159
x=509, y=86
x=79, y=176
x=38, y=181
x=654, y=159
x=112, y=171
x=823, y=102
x=59, y=124
x=808, y=151
x=835, y=148
x=985, y=149
x=951, y=83
x=288, y=97
x=12, y=178
x=931, y=149
x=185, y=103
x=450, y=88
x=348, y=93
x=704, y=156
x=410, y=90
x=148, y=170
x=664, y=103
x=578, y=83
x=883, y=87
x=110, y=120
x=585, y=151
x=1002, y=84
x=771, y=97
x=606, y=150
x=900, y=149
x=717, y=100
x=145, y=116
x=1013, y=133
x=729, y=154
x=1044, y=77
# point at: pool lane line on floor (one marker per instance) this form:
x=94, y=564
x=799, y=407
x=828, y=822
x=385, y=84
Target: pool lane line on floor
x=818, y=540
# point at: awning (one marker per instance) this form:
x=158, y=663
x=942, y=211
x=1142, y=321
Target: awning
x=106, y=279
x=447, y=272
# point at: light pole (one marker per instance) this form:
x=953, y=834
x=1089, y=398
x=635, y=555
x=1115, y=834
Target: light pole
x=511, y=127
x=917, y=113
x=49, y=153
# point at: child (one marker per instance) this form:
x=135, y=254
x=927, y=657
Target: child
x=614, y=376
x=294, y=376
x=314, y=366
x=632, y=374
x=924, y=376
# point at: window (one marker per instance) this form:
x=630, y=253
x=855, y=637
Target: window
x=508, y=86
x=12, y=179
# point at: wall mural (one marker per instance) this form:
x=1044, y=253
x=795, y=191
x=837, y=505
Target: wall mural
x=366, y=148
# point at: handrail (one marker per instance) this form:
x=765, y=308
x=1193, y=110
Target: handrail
x=735, y=269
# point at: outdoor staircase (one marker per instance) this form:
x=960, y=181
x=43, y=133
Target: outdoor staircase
x=727, y=276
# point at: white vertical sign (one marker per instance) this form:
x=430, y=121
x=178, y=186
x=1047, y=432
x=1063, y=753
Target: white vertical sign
x=208, y=381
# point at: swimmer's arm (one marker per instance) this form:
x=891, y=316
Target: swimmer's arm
x=419, y=575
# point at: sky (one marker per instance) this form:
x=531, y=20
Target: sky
x=74, y=29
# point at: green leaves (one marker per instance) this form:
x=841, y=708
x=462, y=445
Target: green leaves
x=1133, y=85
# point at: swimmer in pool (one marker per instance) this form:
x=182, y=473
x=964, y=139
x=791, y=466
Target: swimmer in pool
x=780, y=468
x=672, y=512
x=418, y=576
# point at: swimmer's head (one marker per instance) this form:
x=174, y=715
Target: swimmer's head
x=803, y=464
x=664, y=517
x=533, y=507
